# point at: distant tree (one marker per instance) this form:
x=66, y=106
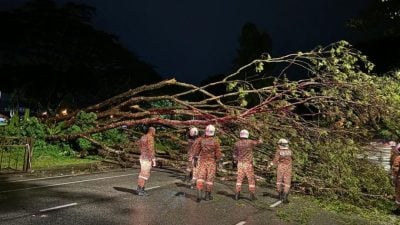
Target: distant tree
x=381, y=18
x=381, y=23
x=58, y=58
x=253, y=43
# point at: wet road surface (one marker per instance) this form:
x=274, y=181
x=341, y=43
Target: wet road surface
x=109, y=198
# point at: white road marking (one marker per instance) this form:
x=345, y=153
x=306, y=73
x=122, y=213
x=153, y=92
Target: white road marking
x=153, y=187
x=54, y=177
x=58, y=207
x=33, y=179
x=241, y=223
x=275, y=204
x=66, y=183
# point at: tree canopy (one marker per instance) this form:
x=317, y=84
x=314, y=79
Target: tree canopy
x=54, y=55
x=380, y=24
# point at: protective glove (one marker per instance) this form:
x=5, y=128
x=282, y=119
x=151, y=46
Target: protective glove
x=234, y=164
x=195, y=161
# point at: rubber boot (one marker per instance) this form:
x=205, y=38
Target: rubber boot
x=138, y=190
x=252, y=197
x=199, y=195
x=208, y=196
x=193, y=184
x=142, y=192
x=285, y=198
x=237, y=195
x=281, y=196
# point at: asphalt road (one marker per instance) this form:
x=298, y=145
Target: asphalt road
x=109, y=198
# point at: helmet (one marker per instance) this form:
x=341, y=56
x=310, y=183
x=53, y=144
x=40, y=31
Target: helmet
x=210, y=130
x=244, y=134
x=283, y=143
x=193, y=132
x=152, y=130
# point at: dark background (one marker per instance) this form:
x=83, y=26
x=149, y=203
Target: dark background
x=75, y=53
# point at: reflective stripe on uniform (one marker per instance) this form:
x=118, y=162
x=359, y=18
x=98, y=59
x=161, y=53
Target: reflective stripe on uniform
x=145, y=178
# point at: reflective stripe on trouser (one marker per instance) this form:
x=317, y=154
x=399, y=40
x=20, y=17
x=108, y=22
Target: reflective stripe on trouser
x=144, y=175
x=283, y=177
x=206, y=174
x=194, y=170
x=245, y=170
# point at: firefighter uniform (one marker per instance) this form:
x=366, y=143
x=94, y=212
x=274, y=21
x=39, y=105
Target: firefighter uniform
x=207, y=149
x=147, y=159
x=243, y=155
x=396, y=178
x=283, y=160
x=192, y=168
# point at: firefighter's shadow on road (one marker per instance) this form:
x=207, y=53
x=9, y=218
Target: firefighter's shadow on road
x=187, y=193
x=227, y=194
x=126, y=190
x=271, y=195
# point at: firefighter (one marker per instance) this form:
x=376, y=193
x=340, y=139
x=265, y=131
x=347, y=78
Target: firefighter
x=283, y=161
x=191, y=169
x=147, y=159
x=208, y=150
x=396, y=179
x=243, y=157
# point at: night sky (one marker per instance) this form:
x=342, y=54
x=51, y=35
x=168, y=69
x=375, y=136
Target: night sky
x=191, y=40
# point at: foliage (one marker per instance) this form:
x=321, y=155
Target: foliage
x=112, y=137
x=27, y=127
x=389, y=88
x=56, y=154
x=381, y=17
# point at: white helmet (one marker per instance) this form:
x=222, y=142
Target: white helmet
x=193, y=132
x=283, y=143
x=210, y=130
x=244, y=134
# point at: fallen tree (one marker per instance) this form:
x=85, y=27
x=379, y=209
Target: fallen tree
x=335, y=106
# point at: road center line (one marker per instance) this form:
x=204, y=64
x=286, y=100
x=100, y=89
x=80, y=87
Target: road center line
x=153, y=187
x=66, y=183
x=58, y=207
x=34, y=179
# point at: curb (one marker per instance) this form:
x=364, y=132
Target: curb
x=77, y=169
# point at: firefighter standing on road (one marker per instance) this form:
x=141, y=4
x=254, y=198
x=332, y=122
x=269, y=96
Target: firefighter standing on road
x=243, y=156
x=147, y=159
x=283, y=160
x=396, y=179
x=208, y=150
x=192, y=170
